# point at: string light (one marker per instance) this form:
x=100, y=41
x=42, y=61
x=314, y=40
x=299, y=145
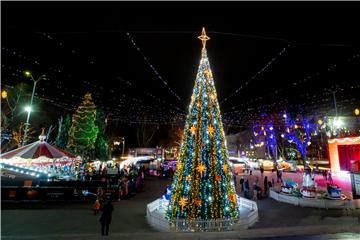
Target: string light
x=152, y=67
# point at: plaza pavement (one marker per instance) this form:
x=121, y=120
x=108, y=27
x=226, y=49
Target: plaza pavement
x=76, y=221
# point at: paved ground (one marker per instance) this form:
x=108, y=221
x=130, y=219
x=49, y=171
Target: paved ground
x=76, y=221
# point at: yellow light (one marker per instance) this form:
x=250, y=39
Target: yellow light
x=320, y=122
x=27, y=73
x=357, y=112
x=295, y=126
x=4, y=94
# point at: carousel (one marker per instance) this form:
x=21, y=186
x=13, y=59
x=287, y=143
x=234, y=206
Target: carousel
x=41, y=157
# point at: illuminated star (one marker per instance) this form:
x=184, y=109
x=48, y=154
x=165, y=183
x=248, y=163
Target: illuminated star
x=193, y=130
x=232, y=197
x=201, y=168
x=225, y=167
x=203, y=37
x=182, y=203
x=188, y=178
x=211, y=130
x=208, y=73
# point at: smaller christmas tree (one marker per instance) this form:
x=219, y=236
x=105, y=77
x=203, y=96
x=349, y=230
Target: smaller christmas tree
x=83, y=131
x=101, y=148
x=63, y=132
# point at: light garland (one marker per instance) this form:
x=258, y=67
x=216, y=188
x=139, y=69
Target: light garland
x=351, y=140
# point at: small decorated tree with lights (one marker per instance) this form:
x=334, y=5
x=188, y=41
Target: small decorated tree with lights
x=83, y=131
x=63, y=133
x=101, y=147
x=203, y=188
x=299, y=131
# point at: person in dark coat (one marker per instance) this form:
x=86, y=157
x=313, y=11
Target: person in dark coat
x=242, y=184
x=105, y=218
x=265, y=185
x=246, y=189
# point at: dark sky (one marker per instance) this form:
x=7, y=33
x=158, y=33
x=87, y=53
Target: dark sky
x=83, y=46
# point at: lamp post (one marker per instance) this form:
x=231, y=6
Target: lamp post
x=123, y=145
x=28, y=109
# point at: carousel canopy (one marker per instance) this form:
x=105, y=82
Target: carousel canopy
x=36, y=150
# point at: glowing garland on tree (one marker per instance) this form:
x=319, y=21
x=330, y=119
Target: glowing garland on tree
x=203, y=185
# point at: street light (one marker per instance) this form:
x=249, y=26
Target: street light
x=123, y=145
x=28, y=109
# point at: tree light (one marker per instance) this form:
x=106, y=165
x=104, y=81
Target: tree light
x=320, y=122
x=4, y=94
x=357, y=112
x=338, y=123
x=28, y=109
x=27, y=73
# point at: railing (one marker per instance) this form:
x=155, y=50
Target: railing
x=314, y=202
x=156, y=218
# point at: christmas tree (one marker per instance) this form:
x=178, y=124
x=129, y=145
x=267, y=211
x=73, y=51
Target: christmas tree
x=203, y=186
x=83, y=131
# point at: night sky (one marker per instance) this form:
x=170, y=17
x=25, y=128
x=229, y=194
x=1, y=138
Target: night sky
x=87, y=46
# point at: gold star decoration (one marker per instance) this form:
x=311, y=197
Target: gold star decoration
x=218, y=178
x=182, y=203
x=203, y=37
x=211, y=130
x=198, y=202
x=193, y=130
x=178, y=166
x=225, y=167
x=208, y=73
x=232, y=197
x=188, y=178
x=201, y=168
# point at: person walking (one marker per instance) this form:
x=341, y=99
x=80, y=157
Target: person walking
x=242, y=184
x=255, y=192
x=96, y=206
x=246, y=188
x=330, y=177
x=105, y=218
x=261, y=170
x=266, y=186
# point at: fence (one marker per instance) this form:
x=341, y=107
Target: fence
x=248, y=217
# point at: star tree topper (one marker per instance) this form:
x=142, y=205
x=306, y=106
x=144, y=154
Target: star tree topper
x=203, y=37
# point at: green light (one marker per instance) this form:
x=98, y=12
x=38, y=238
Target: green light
x=27, y=73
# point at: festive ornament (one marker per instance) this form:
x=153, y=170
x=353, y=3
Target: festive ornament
x=218, y=178
x=182, y=203
x=188, y=178
x=211, y=130
x=193, y=130
x=225, y=167
x=201, y=168
x=198, y=202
